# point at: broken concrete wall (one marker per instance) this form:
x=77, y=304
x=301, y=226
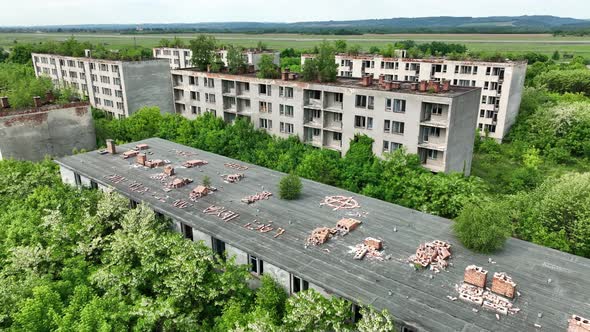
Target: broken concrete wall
x=52, y=130
x=67, y=176
x=240, y=256
x=281, y=276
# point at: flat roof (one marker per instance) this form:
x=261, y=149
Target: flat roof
x=416, y=297
x=343, y=82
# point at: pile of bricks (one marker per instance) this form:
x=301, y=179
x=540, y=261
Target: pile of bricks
x=194, y=163
x=473, y=290
x=578, y=324
x=183, y=153
x=114, y=178
x=340, y=202
x=181, y=204
x=236, y=166
x=221, y=212
x=433, y=254
x=154, y=163
x=320, y=235
x=198, y=192
x=130, y=154
x=346, y=225
x=178, y=183
x=232, y=178
x=257, y=197
x=371, y=248
x=140, y=147
x=138, y=188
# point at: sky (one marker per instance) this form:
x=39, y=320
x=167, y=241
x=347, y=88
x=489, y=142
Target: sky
x=63, y=12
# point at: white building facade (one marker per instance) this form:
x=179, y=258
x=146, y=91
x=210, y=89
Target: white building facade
x=117, y=87
x=439, y=127
x=502, y=83
x=180, y=58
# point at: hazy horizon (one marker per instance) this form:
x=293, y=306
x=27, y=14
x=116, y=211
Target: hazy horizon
x=81, y=12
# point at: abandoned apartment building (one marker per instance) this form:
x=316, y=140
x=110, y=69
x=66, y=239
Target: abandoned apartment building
x=431, y=119
x=181, y=57
x=117, y=87
x=502, y=82
x=48, y=128
x=343, y=244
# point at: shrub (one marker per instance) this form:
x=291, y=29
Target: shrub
x=483, y=228
x=290, y=187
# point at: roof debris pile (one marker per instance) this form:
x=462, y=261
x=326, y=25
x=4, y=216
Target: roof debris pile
x=138, y=187
x=223, y=213
x=340, y=202
x=236, y=166
x=578, y=324
x=433, y=254
x=178, y=183
x=232, y=178
x=257, y=197
x=322, y=234
x=181, y=204
x=198, y=192
x=114, y=178
x=194, y=163
x=371, y=248
x=140, y=147
x=473, y=290
x=130, y=154
x=183, y=153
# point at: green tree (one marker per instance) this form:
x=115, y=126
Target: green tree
x=235, y=60
x=164, y=42
x=3, y=55
x=206, y=181
x=340, y=46
x=483, y=227
x=310, y=311
x=204, y=50
x=267, y=68
x=556, y=56
x=374, y=320
x=290, y=187
x=321, y=165
x=323, y=67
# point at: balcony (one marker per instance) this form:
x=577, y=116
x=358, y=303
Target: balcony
x=333, y=125
x=313, y=103
x=313, y=122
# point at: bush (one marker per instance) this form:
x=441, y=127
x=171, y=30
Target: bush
x=483, y=228
x=290, y=187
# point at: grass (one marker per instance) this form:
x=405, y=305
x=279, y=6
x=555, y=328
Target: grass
x=512, y=43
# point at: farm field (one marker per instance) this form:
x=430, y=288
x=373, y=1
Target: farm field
x=509, y=43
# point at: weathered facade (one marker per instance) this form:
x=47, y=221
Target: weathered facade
x=502, y=83
x=50, y=130
x=118, y=87
x=181, y=57
x=438, y=126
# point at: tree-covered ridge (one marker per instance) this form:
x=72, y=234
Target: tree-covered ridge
x=82, y=260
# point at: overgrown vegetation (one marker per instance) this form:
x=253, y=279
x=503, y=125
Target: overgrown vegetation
x=323, y=67
x=81, y=260
x=290, y=187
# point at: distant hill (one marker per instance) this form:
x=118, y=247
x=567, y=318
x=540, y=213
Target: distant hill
x=441, y=24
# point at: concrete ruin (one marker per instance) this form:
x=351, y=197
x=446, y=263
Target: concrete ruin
x=49, y=130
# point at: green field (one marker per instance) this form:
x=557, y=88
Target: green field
x=510, y=43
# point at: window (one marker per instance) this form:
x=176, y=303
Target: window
x=193, y=95
x=117, y=81
x=265, y=123
x=265, y=107
x=286, y=128
x=338, y=117
x=488, y=71
x=191, y=80
x=298, y=284
x=371, y=104
x=187, y=231
x=338, y=97
x=489, y=114
x=490, y=128
x=119, y=93
x=387, y=126
x=96, y=101
x=482, y=113
x=218, y=246
x=391, y=146
x=484, y=99
x=108, y=103
x=437, y=109
x=286, y=110
x=397, y=127
x=94, y=77
x=209, y=82
x=210, y=98
x=486, y=86
x=193, y=109
x=264, y=89
x=105, y=79
x=256, y=265
x=286, y=92
x=336, y=136
x=114, y=68
x=120, y=105
x=399, y=105
x=71, y=63
x=432, y=154
x=107, y=91
x=77, y=179
x=316, y=132
x=433, y=131
x=104, y=67
x=360, y=121
x=361, y=101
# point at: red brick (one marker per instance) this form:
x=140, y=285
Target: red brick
x=503, y=285
x=475, y=276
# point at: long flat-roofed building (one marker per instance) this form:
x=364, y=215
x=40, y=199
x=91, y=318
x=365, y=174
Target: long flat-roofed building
x=551, y=286
x=436, y=122
x=117, y=87
x=502, y=83
x=181, y=57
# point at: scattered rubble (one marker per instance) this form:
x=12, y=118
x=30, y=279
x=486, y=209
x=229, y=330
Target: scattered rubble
x=198, y=192
x=346, y=225
x=502, y=284
x=257, y=197
x=322, y=234
x=114, y=178
x=578, y=324
x=232, y=178
x=221, y=212
x=178, y=183
x=236, y=166
x=129, y=154
x=319, y=236
x=194, y=163
x=371, y=248
x=183, y=153
x=181, y=204
x=340, y=202
x=433, y=254
x=473, y=290
x=140, y=147
x=138, y=188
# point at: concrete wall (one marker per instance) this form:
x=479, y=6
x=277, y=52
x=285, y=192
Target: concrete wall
x=240, y=256
x=67, y=176
x=281, y=276
x=148, y=83
x=52, y=130
x=461, y=133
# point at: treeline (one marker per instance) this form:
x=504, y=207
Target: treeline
x=82, y=260
x=399, y=178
